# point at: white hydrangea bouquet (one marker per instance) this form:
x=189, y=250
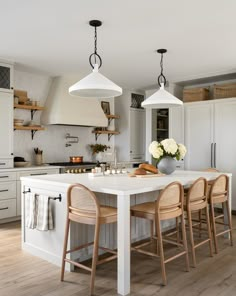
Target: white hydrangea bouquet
x=167, y=147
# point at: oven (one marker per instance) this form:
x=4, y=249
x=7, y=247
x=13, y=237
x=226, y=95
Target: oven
x=75, y=168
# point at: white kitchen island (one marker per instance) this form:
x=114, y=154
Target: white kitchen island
x=111, y=189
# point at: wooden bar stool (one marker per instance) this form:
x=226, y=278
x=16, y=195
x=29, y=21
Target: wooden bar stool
x=219, y=195
x=168, y=205
x=196, y=201
x=83, y=207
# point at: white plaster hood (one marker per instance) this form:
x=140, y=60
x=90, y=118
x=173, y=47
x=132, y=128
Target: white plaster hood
x=62, y=108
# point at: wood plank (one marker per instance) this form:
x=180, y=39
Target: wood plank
x=29, y=128
x=28, y=107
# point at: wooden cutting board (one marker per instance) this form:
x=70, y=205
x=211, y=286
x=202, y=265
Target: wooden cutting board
x=147, y=176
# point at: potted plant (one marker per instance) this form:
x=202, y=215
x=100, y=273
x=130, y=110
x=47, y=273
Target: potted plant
x=97, y=150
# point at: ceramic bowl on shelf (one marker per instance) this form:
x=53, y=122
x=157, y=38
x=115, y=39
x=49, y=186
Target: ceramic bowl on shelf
x=21, y=164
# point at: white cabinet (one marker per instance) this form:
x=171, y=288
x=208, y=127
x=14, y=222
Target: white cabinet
x=10, y=190
x=173, y=122
x=130, y=143
x=6, y=130
x=6, y=77
x=210, y=137
x=199, y=121
x=137, y=134
x=7, y=194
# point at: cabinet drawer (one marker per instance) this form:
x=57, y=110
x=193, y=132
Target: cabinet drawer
x=37, y=173
x=7, y=190
x=6, y=163
x=7, y=176
x=7, y=208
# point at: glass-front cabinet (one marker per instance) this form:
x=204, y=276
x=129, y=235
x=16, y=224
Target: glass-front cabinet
x=6, y=77
x=160, y=124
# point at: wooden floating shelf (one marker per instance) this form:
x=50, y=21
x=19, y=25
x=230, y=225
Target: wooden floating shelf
x=28, y=107
x=33, y=129
x=113, y=116
x=106, y=132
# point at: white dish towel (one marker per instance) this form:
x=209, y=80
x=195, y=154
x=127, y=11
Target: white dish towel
x=30, y=210
x=44, y=213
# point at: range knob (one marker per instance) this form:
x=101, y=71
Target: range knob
x=76, y=171
x=72, y=171
x=80, y=170
x=84, y=170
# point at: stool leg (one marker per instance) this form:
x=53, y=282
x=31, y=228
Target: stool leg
x=214, y=227
x=177, y=229
x=191, y=236
x=209, y=230
x=161, y=251
x=200, y=222
x=229, y=221
x=151, y=230
x=95, y=257
x=185, y=241
x=64, y=249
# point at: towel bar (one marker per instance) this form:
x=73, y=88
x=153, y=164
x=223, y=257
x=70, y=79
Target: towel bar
x=50, y=197
x=55, y=198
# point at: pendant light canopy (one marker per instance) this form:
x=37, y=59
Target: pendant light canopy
x=95, y=85
x=161, y=98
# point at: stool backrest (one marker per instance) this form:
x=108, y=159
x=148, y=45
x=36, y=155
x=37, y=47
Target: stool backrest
x=82, y=201
x=197, y=191
x=171, y=197
x=219, y=187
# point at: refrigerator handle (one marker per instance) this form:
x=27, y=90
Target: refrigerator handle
x=211, y=155
x=214, y=155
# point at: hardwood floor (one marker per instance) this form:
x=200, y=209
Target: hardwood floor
x=24, y=275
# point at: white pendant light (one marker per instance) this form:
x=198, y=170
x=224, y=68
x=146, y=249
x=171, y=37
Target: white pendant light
x=95, y=85
x=161, y=98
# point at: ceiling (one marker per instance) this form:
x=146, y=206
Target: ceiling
x=54, y=37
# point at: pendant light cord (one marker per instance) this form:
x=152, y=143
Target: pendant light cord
x=161, y=77
x=95, y=55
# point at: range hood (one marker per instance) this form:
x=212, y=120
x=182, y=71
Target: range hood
x=62, y=108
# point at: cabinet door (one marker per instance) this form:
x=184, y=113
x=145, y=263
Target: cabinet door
x=137, y=133
x=225, y=140
x=6, y=77
x=198, y=135
x=6, y=124
x=176, y=124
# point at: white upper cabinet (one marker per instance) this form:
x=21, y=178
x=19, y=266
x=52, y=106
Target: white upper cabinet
x=6, y=77
x=130, y=143
x=6, y=126
x=137, y=134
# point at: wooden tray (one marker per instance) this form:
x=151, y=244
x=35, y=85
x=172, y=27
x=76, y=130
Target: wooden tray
x=146, y=176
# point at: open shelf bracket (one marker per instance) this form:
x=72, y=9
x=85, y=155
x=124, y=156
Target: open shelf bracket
x=33, y=133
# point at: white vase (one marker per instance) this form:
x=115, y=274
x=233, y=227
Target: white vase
x=99, y=156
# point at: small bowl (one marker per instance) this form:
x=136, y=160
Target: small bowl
x=21, y=164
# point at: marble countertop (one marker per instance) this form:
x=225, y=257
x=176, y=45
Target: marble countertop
x=120, y=184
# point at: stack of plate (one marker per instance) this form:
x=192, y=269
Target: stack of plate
x=18, y=122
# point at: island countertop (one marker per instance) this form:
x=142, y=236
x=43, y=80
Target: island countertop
x=121, y=183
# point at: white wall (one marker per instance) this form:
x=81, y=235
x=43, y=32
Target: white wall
x=52, y=141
